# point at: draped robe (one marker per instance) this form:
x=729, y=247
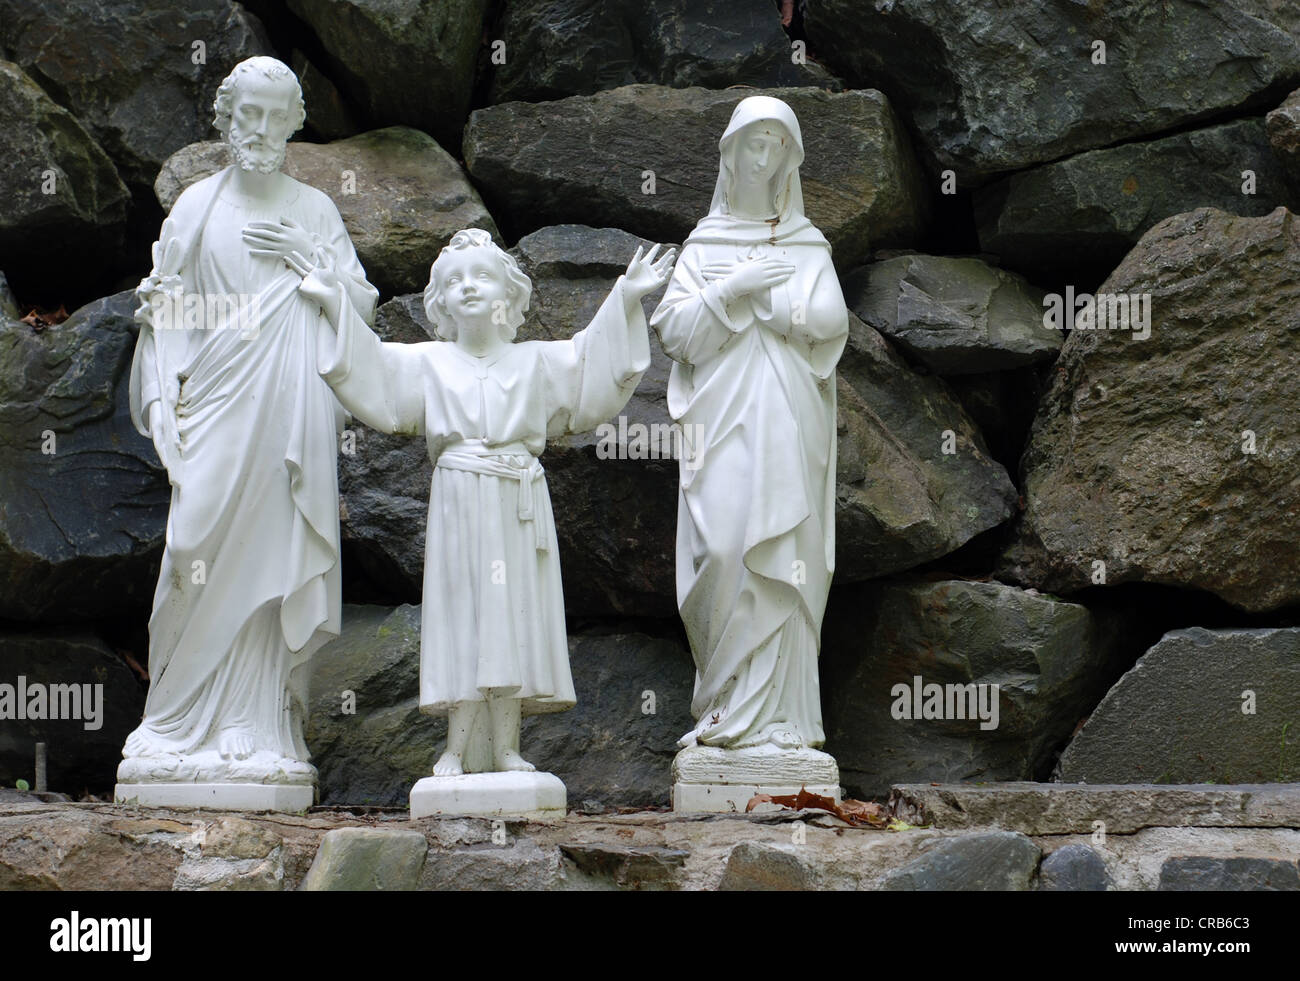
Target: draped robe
x=756, y=512
x=250, y=579
x=493, y=611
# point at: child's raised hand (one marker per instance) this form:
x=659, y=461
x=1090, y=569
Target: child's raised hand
x=645, y=275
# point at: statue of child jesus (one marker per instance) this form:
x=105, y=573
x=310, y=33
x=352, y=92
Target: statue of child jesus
x=493, y=645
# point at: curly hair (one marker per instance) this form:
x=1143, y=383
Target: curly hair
x=519, y=288
x=224, y=104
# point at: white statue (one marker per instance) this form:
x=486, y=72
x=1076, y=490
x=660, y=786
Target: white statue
x=755, y=320
x=493, y=644
x=225, y=383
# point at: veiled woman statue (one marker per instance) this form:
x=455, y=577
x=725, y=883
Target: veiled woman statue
x=755, y=320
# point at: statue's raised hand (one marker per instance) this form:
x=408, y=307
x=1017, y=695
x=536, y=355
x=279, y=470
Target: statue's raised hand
x=645, y=275
x=283, y=240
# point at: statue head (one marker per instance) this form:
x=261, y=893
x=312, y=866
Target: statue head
x=761, y=145
x=474, y=278
x=258, y=107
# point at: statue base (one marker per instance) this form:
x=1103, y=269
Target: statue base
x=218, y=796
x=261, y=782
x=710, y=780
x=508, y=794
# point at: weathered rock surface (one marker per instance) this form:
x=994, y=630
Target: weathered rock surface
x=1202, y=706
x=62, y=197
x=994, y=87
x=404, y=62
x=1073, y=868
x=132, y=71
x=401, y=196
x=957, y=316
x=8, y=304
x=614, y=747
x=1283, y=128
x=46, y=845
x=1080, y=216
x=755, y=867
x=1218, y=874
x=1141, y=454
x=366, y=860
x=1052, y=660
x=83, y=727
x=995, y=861
x=901, y=500
x=557, y=48
x=1072, y=808
x=567, y=160
x=83, y=499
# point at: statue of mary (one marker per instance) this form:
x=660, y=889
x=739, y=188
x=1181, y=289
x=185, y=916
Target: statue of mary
x=755, y=320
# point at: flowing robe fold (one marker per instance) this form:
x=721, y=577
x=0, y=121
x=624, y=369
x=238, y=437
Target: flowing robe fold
x=493, y=613
x=250, y=579
x=756, y=511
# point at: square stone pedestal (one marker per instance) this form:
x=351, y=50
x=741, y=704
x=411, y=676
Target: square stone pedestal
x=507, y=794
x=290, y=798
x=711, y=780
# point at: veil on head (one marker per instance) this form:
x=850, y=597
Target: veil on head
x=789, y=192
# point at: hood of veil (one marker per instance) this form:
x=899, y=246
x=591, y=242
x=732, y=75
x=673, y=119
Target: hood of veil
x=793, y=227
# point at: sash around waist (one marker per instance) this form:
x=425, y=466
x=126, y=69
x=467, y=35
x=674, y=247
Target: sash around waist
x=513, y=461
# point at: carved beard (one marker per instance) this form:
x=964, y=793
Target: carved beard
x=262, y=166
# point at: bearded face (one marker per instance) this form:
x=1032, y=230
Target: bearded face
x=261, y=122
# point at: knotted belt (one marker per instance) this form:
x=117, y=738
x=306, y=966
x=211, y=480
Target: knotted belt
x=513, y=461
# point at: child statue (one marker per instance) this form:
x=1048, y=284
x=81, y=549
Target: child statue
x=493, y=644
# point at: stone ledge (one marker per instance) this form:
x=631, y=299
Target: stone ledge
x=1063, y=808
x=56, y=845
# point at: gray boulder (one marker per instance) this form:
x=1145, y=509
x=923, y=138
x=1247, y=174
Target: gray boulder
x=1051, y=661
x=1201, y=706
x=955, y=316
x=1170, y=459
x=86, y=500
x=993, y=861
x=405, y=198
x=902, y=501
x=404, y=62
x=1213, y=873
x=994, y=87
x=140, y=75
x=1078, y=217
x=43, y=148
x=367, y=860
x=1073, y=868
x=567, y=160
x=1283, y=128
x=713, y=44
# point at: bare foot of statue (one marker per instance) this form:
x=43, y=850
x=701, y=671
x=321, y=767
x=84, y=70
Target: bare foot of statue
x=236, y=743
x=448, y=765
x=786, y=738
x=140, y=744
x=508, y=759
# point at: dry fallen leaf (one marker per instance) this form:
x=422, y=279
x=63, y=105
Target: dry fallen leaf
x=859, y=813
